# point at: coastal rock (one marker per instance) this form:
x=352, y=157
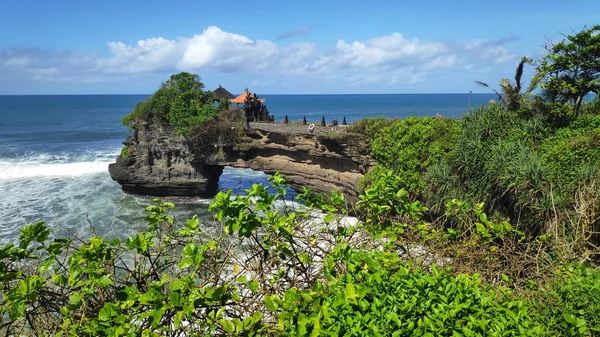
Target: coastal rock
x=163, y=164
x=159, y=163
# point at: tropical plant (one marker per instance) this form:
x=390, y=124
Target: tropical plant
x=180, y=102
x=274, y=271
x=410, y=146
x=571, y=69
x=511, y=95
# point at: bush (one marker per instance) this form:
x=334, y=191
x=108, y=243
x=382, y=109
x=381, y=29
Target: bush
x=369, y=126
x=410, y=146
x=181, y=102
x=227, y=129
x=569, y=305
x=569, y=151
x=276, y=272
x=383, y=296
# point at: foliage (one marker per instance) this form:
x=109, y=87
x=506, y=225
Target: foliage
x=276, y=272
x=512, y=97
x=570, y=303
x=125, y=152
x=494, y=161
x=181, y=102
x=571, y=69
x=571, y=148
x=227, y=129
x=410, y=146
x=369, y=126
x=382, y=296
x=591, y=107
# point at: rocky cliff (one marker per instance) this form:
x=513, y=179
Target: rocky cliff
x=157, y=162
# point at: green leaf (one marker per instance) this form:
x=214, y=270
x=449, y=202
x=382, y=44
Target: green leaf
x=186, y=262
x=227, y=325
x=350, y=292
x=270, y=303
x=253, y=285
x=105, y=281
x=304, y=258
x=241, y=279
x=190, y=250
x=75, y=299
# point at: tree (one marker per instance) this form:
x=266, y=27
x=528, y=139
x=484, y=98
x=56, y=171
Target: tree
x=511, y=96
x=286, y=120
x=323, y=121
x=304, y=121
x=181, y=102
x=571, y=69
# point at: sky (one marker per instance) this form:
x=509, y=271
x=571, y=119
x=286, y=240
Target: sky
x=276, y=47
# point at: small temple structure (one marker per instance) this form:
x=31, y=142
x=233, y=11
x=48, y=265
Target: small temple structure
x=221, y=93
x=241, y=99
x=248, y=103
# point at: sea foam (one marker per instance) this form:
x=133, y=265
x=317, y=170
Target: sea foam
x=23, y=170
x=55, y=165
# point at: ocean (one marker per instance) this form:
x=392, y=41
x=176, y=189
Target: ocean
x=55, y=151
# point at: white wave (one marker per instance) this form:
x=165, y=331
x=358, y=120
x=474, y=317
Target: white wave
x=242, y=172
x=30, y=170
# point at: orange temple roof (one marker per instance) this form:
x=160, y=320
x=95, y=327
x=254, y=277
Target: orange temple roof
x=242, y=98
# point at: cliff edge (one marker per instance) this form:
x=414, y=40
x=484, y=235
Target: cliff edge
x=157, y=162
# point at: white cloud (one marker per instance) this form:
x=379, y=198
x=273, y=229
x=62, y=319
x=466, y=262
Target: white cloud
x=441, y=62
x=392, y=59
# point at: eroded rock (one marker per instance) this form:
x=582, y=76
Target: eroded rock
x=163, y=164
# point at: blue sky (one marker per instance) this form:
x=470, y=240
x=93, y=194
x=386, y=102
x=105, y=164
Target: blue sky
x=394, y=46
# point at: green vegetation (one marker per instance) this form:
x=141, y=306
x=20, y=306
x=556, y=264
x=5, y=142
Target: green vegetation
x=411, y=145
x=125, y=151
x=276, y=272
x=181, y=102
x=571, y=69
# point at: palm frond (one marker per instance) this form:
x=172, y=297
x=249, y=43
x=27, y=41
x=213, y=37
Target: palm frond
x=534, y=83
x=519, y=74
x=481, y=84
x=507, y=88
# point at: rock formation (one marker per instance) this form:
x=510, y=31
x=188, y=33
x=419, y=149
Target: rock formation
x=163, y=164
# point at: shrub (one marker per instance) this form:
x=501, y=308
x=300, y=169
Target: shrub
x=410, y=146
x=369, y=126
x=569, y=305
x=181, y=102
x=383, y=296
x=277, y=272
x=227, y=129
x=569, y=150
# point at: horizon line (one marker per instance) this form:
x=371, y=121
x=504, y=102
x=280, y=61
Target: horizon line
x=270, y=94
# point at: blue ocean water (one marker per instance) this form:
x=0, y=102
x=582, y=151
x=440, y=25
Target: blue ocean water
x=55, y=151
x=355, y=107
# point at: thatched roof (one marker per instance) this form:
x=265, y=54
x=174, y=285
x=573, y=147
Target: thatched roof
x=221, y=92
x=242, y=98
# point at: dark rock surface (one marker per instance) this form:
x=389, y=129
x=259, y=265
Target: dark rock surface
x=159, y=163
x=163, y=164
